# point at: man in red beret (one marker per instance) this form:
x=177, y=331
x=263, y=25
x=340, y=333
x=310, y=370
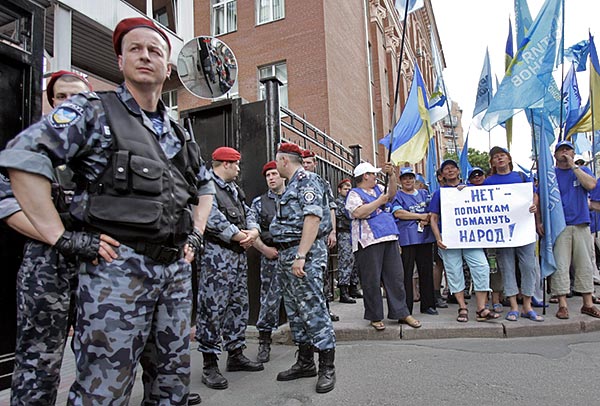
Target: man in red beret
x=262, y=210
x=299, y=229
x=222, y=281
x=309, y=162
x=142, y=185
x=45, y=284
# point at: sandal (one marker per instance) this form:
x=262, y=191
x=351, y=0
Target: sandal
x=486, y=315
x=562, y=313
x=378, y=325
x=411, y=321
x=591, y=311
x=532, y=315
x=553, y=299
x=498, y=308
x=513, y=315
x=463, y=315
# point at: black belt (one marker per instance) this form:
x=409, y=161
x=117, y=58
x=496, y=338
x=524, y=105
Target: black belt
x=285, y=245
x=160, y=253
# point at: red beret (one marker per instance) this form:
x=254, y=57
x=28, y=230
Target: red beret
x=290, y=148
x=344, y=181
x=307, y=153
x=129, y=24
x=226, y=154
x=57, y=75
x=268, y=166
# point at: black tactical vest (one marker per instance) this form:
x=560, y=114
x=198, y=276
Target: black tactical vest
x=235, y=212
x=142, y=196
x=268, y=210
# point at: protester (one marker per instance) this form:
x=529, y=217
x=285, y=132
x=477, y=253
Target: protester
x=375, y=246
x=572, y=247
x=298, y=230
x=138, y=173
x=262, y=211
x=411, y=210
x=453, y=258
x=502, y=173
x=347, y=270
x=438, y=264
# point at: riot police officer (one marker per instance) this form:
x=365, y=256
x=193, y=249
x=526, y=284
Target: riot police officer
x=138, y=175
x=263, y=209
x=302, y=221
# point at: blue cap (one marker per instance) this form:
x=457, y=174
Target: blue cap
x=497, y=150
x=421, y=179
x=406, y=171
x=448, y=162
x=564, y=143
x=475, y=170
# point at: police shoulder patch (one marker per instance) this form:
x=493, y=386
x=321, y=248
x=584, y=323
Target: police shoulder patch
x=65, y=115
x=309, y=196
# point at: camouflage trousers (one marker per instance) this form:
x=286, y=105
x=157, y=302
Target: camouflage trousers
x=304, y=300
x=121, y=307
x=45, y=282
x=222, y=300
x=270, y=295
x=347, y=271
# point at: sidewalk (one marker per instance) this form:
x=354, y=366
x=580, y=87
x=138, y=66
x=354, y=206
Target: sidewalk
x=352, y=326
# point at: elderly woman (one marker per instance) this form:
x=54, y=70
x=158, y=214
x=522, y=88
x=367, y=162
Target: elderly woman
x=375, y=246
x=411, y=210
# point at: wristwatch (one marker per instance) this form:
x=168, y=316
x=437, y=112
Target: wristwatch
x=575, y=167
x=298, y=256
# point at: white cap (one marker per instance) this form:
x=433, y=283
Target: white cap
x=365, y=167
x=579, y=157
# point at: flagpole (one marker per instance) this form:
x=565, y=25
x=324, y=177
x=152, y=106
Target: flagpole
x=593, y=127
x=562, y=73
x=393, y=120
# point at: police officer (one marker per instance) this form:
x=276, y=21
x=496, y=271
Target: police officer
x=309, y=162
x=347, y=274
x=263, y=209
x=302, y=221
x=223, y=276
x=138, y=174
x=45, y=283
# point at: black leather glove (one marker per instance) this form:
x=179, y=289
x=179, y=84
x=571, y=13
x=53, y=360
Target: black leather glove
x=196, y=241
x=81, y=244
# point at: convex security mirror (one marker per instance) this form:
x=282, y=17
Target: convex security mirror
x=207, y=67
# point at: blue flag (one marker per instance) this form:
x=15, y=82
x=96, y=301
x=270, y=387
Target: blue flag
x=484, y=88
x=412, y=6
x=578, y=54
x=412, y=132
x=553, y=217
x=571, y=99
x=463, y=159
x=432, y=166
x=528, y=76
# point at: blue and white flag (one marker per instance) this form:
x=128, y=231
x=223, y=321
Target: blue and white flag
x=578, y=54
x=484, y=88
x=432, y=166
x=412, y=6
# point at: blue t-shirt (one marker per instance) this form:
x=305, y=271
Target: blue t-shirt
x=574, y=196
x=595, y=215
x=408, y=229
x=505, y=179
x=435, y=206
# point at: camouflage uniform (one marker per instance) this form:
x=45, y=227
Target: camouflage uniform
x=45, y=282
x=122, y=304
x=222, y=284
x=347, y=273
x=327, y=288
x=270, y=285
x=303, y=297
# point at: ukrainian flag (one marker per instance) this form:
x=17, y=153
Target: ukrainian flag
x=411, y=133
x=584, y=123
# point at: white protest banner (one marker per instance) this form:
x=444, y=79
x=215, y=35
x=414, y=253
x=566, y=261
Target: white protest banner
x=493, y=216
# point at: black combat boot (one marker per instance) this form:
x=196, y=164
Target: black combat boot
x=211, y=376
x=355, y=292
x=344, y=296
x=237, y=361
x=326, y=380
x=194, y=399
x=264, y=346
x=304, y=366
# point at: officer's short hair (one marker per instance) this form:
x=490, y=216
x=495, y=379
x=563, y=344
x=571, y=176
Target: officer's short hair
x=292, y=157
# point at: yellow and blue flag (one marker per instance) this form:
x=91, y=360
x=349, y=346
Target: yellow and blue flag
x=584, y=122
x=411, y=133
x=527, y=79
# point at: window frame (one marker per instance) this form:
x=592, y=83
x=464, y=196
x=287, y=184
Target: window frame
x=224, y=4
x=271, y=8
x=284, y=86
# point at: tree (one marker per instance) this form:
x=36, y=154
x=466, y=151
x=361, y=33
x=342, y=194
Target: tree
x=476, y=158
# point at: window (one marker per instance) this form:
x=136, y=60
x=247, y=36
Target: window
x=224, y=16
x=170, y=100
x=269, y=10
x=280, y=71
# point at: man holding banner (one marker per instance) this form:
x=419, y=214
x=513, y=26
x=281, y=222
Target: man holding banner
x=572, y=245
x=502, y=173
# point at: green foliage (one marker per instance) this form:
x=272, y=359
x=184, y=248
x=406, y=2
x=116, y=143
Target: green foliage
x=476, y=158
